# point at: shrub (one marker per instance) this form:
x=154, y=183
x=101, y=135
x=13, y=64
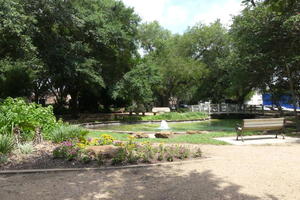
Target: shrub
x=67, y=150
x=16, y=113
x=197, y=153
x=100, y=159
x=182, y=152
x=85, y=156
x=169, y=157
x=6, y=144
x=67, y=132
x=3, y=158
x=26, y=148
x=147, y=152
x=120, y=157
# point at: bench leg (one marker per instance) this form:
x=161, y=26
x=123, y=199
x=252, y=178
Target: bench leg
x=239, y=133
x=282, y=133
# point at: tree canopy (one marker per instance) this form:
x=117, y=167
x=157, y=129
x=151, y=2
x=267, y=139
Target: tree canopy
x=85, y=54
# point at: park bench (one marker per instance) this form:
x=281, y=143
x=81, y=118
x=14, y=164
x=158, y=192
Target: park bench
x=266, y=124
x=156, y=110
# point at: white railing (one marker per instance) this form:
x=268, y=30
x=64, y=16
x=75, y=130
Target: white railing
x=226, y=108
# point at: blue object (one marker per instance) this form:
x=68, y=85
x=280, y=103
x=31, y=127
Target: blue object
x=285, y=101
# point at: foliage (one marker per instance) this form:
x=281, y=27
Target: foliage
x=25, y=148
x=16, y=113
x=137, y=87
x=6, y=144
x=67, y=150
x=80, y=48
x=67, y=132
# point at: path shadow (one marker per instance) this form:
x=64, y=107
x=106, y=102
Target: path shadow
x=156, y=183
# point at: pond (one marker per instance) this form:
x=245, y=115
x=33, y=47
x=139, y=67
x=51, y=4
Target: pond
x=211, y=125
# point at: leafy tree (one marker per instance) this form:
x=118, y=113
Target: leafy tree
x=137, y=87
x=18, y=55
x=209, y=44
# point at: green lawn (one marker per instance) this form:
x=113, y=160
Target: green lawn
x=192, y=139
x=177, y=116
x=212, y=125
x=218, y=128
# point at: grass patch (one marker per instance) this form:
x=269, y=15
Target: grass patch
x=212, y=125
x=176, y=116
x=192, y=139
x=184, y=138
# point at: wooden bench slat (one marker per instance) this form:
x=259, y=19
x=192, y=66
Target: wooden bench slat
x=266, y=124
x=266, y=119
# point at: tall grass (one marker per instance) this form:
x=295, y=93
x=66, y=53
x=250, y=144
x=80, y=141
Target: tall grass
x=67, y=132
x=6, y=144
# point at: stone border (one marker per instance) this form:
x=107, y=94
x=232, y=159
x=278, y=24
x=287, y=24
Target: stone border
x=99, y=124
x=33, y=171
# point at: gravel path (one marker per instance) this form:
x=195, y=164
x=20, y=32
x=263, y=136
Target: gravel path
x=234, y=172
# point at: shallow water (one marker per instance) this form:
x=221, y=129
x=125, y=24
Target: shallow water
x=212, y=125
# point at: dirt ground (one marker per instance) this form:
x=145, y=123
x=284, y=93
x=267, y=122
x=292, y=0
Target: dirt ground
x=232, y=172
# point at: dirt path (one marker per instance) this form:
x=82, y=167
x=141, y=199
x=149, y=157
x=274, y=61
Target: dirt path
x=234, y=172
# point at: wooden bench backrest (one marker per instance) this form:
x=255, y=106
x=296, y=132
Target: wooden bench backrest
x=161, y=109
x=263, y=124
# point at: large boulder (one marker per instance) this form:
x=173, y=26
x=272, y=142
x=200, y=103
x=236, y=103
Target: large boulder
x=108, y=151
x=140, y=135
x=164, y=134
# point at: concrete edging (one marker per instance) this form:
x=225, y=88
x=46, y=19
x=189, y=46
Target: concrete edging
x=33, y=171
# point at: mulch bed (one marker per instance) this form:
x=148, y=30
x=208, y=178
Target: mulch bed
x=42, y=158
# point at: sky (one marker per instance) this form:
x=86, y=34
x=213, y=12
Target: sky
x=178, y=15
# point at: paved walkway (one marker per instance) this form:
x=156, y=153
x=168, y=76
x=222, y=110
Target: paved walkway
x=234, y=172
x=259, y=140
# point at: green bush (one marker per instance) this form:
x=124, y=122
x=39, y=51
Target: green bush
x=25, y=116
x=67, y=132
x=6, y=144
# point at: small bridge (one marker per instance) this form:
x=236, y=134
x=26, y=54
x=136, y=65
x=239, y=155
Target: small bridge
x=225, y=108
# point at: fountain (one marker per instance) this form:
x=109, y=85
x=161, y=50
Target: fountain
x=164, y=125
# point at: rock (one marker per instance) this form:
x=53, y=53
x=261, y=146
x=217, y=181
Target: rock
x=204, y=132
x=140, y=135
x=108, y=151
x=192, y=132
x=196, y=132
x=164, y=134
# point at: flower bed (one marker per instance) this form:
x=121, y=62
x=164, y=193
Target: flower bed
x=111, y=151
x=96, y=152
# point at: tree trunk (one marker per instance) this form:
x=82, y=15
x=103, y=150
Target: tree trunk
x=74, y=104
x=294, y=99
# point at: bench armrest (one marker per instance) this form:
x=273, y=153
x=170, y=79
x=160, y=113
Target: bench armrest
x=238, y=127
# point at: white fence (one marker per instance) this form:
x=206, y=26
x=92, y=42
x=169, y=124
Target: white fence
x=226, y=108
